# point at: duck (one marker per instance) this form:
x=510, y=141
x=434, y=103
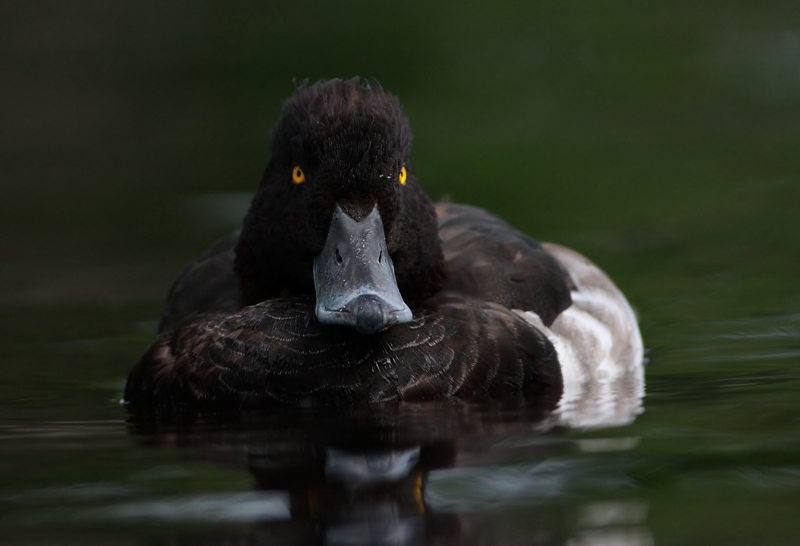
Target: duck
x=346, y=284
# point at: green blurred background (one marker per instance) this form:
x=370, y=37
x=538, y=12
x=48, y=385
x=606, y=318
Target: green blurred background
x=565, y=117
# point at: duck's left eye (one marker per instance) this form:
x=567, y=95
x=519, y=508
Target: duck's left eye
x=298, y=176
x=403, y=175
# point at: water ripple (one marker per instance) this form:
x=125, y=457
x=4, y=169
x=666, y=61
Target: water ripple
x=215, y=508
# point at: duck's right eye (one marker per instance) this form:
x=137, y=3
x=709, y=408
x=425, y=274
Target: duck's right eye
x=298, y=176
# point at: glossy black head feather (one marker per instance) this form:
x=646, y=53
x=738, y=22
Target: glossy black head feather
x=345, y=129
x=351, y=141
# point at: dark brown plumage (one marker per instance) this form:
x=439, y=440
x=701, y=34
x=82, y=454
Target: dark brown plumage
x=276, y=351
x=461, y=270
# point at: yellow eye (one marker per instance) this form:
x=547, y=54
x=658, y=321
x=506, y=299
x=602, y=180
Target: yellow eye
x=403, y=175
x=298, y=176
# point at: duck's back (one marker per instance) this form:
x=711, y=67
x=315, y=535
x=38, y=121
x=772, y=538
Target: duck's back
x=208, y=285
x=491, y=261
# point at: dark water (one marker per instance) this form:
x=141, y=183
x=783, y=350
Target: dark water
x=660, y=139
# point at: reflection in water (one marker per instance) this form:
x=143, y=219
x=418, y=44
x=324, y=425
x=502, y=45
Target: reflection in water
x=601, y=403
x=359, y=469
x=404, y=473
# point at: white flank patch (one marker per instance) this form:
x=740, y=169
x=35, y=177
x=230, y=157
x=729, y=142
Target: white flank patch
x=599, y=348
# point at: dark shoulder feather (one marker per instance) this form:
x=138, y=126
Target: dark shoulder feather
x=491, y=261
x=207, y=285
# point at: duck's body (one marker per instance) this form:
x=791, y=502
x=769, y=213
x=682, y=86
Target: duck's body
x=291, y=311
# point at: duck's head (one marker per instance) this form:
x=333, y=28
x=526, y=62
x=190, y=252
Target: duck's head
x=339, y=213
